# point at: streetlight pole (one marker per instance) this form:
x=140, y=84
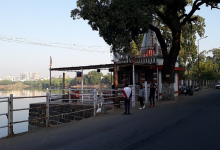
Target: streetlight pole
x=198, y=57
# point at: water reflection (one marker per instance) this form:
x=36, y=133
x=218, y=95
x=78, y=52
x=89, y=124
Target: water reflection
x=22, y=93
x=18, y=104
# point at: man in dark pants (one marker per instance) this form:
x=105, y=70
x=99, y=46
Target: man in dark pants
x=127, y=96
x=141, y=96
x=152, y=93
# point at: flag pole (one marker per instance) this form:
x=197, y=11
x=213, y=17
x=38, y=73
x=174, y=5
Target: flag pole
x=50, y=72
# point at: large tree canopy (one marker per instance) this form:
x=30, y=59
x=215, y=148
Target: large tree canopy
x=121, y=21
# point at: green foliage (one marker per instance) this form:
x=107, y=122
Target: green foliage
x=123, y=21
x=6, y=82
x=107, y=79
x=114, y=21
x=209, y=66
x=95, y=77
x=92, y=78
x=134, y=49
x=188, y=51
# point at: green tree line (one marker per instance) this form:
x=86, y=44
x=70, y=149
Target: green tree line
x=92, y=78
x=208, y=66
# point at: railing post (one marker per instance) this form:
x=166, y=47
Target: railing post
x=69, y=94
x=95, y=98
x=10, y=115
x=133, y=88
x=47, y=110
x=145, y=91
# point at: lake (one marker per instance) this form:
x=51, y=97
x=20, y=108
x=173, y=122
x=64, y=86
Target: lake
x=18, y=104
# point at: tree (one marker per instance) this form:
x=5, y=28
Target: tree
x=6, y=82
x=188, y=49
x=94, y=77
x=118, y=26
x=107, y=79
x=209, y=65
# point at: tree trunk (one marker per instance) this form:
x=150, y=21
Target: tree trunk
x=168, y=72
x=116, y=100
x=168, y=80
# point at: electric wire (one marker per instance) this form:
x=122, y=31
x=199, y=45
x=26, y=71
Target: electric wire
x=70, y=46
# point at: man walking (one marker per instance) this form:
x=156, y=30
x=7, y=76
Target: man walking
x=127, y=96
x=141, y=97
x=152, y=93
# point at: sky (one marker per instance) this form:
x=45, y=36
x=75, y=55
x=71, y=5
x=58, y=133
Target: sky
x=33, y=30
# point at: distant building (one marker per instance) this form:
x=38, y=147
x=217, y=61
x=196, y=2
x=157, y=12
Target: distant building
x=27, y=76
x=47, y=78
x=10, y=78
x=36, y=76
x=16, y=79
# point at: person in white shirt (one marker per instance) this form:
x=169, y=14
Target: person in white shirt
x=127, y=96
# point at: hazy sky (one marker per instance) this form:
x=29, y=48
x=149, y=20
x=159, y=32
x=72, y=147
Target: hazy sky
x=33, y=30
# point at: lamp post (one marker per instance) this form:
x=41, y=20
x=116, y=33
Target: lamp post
x=198, y=56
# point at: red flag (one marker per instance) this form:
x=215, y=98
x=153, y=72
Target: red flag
x=50, y=61
x=134, y=58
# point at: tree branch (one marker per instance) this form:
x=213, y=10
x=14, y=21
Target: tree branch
x=160, y=39
x=195, y=7
x=164, y=20
x=184, y=15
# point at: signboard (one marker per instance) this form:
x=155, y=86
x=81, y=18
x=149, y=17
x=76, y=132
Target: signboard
x=79, y=74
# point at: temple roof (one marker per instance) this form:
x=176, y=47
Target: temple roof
x=149, y=41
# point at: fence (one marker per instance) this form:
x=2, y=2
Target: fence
x=203, y=83
x=9, y=114
x=94, y=98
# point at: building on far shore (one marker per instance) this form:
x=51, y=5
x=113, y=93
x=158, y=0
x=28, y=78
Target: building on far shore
x=10, y=78
x=16, y=79
x=47, y=78
x=36, y=76
x=28, y=76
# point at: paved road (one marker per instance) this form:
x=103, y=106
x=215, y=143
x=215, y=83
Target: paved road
x=190, y=123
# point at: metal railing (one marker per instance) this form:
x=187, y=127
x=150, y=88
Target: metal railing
x=96, y=98
x=203, y=83
x=3, y=100
x=86, y=96
x=139, y=60
x=9, y=114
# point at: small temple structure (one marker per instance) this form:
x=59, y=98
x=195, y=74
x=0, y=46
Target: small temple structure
x=148, y=66
x=137, y=70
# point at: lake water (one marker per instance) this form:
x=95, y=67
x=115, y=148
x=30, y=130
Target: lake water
x=18, y=104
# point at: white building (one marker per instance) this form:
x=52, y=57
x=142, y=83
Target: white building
x=28, y=76
x=10, y=78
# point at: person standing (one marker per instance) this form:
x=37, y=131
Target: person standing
x=113, y=92
x=141, y=97
x=152, y=93
x=127, y=96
